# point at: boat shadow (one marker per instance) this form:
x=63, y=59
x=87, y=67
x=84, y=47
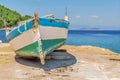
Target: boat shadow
x=50, y=63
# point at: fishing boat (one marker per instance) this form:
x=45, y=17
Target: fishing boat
x=38, y=37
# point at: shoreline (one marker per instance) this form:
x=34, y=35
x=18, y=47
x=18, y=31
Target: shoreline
x=86, y=46
x=86, y=63
x=89, y=46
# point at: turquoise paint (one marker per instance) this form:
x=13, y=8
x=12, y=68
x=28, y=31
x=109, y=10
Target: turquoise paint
x=52, y=22
x=51, y=43
x=35, y=49
x=14, y=33
x=54, y=47
x=45, y=22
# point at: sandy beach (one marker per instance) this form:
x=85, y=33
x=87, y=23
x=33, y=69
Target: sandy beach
x=86, y=63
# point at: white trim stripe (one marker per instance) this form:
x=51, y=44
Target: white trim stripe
x=25, y=39
x=52, y=32
x=44, y=33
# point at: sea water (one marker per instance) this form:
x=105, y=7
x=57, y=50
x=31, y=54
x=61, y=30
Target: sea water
x=103, y=38
x=3, y=36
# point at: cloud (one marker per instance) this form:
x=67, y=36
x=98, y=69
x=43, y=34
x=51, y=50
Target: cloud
x=94, y=16
x=78, y=17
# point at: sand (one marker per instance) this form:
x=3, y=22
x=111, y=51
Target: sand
x=86, y=63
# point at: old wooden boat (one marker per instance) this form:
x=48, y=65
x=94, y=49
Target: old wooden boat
x=39, y=36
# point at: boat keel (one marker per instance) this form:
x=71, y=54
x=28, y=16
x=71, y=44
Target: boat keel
x=42, y=58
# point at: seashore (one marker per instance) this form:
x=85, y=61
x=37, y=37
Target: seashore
x=86, y=63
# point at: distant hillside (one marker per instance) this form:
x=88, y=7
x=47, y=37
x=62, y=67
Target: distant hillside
x=95, y=27
x=10, y=17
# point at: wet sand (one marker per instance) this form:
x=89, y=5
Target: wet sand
x=86, y=63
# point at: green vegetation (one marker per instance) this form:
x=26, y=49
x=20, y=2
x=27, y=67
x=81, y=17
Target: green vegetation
x=10, y=17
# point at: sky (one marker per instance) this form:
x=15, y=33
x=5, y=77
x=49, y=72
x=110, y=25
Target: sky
x=80, y=12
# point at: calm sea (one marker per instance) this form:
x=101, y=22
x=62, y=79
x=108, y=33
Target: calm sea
x=3, y=36
x=105, y=39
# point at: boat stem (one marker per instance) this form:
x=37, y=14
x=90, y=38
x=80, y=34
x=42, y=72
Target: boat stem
x=42, y=58
x=35, y=27
x=35, y=20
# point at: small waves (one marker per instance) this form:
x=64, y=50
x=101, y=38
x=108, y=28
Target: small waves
x=105, y=39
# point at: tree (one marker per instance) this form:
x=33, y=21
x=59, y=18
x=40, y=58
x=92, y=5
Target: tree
x=11, y=17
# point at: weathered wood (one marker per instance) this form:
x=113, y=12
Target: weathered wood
x=35, y=20
x=60, y=50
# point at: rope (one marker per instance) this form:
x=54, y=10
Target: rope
x=25, y=28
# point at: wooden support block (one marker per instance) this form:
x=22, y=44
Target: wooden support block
x=58, y=57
